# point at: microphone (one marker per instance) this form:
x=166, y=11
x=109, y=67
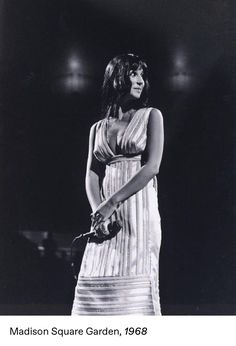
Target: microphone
x=114, y=226
x=87, y=234
x=83, y=236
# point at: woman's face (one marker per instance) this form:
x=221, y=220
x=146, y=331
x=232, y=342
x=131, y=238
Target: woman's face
x=137, y=83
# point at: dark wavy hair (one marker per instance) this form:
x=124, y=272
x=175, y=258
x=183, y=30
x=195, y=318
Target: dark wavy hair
x=117, y=83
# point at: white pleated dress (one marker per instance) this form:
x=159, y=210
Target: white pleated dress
x=119, y=276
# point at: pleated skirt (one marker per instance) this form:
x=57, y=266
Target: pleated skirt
x=119, y=276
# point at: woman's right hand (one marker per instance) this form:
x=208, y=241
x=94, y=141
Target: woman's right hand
x=102, y=229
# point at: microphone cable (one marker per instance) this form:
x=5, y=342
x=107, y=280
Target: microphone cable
x=74, y=241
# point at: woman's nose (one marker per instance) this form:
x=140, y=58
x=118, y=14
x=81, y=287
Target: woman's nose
x=140, y=81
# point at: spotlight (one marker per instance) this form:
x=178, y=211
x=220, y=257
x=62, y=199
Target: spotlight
x=74, y=64
x=180, y=77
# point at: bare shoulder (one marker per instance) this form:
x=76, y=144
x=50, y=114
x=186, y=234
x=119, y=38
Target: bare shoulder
x=156, y=113
x=92, y=132
x=95, y=126
x=155, y=118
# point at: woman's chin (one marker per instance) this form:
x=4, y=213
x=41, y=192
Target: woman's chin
x=135, y=96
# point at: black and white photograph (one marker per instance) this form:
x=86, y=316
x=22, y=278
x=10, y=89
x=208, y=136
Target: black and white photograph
x=117, y=157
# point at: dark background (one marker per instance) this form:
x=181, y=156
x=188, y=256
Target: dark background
x=52, y=59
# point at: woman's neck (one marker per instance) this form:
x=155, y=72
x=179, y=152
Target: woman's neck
x=125, y=113
x=126, y=107
x=126, y=103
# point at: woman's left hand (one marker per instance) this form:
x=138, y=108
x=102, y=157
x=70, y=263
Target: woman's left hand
x=102, y=213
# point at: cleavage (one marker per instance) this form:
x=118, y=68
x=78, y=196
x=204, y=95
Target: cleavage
x=115, y=133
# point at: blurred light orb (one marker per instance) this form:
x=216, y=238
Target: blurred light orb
x=180, y=60
x=74, y=64
x=180, y=76
x=74, y=82
x=73, y=73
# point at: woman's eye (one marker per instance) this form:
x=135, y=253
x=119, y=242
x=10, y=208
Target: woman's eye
x=134, y=74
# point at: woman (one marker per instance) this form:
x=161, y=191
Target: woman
x=119, y=271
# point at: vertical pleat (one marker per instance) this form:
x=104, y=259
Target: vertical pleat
x=126, y=227
x=145, y=234
x=138, y=225
x=108, y=245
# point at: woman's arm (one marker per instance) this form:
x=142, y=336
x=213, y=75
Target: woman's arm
x=154, y=148
x=94, y=172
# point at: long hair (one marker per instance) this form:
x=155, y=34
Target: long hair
x=117, y=83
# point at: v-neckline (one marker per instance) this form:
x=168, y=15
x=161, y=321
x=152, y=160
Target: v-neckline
x=126, y=129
